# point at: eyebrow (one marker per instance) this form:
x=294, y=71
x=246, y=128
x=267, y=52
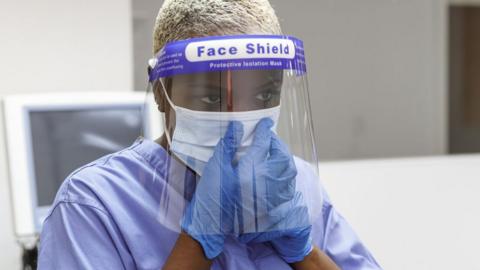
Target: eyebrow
x=269, y=82
x=206, y=85
x=210, y=86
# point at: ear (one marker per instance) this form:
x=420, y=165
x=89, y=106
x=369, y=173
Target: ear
x=157, y=90
x=159, y=95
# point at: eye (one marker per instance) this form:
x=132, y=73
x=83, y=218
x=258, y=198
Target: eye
x=212, y=99
x=264, y=96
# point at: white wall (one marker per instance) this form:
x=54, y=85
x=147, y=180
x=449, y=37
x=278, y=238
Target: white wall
x=58, y=45
x=144, y=13
x=376, y=74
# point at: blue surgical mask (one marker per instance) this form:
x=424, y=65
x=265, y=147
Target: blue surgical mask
x=198, y=132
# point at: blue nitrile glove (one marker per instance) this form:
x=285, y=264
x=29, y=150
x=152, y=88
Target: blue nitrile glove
x=210, y=214
x=272, y=210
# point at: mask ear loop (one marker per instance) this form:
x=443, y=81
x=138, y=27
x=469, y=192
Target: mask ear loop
x=152, y=63
x=167, y=132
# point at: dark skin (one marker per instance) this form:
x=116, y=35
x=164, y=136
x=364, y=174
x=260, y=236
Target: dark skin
x=188, y=254
x=222, y=91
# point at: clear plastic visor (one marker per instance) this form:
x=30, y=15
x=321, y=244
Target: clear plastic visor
x=198, y=110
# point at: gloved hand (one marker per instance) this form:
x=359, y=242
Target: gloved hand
x=210, y=214
x=271, y=209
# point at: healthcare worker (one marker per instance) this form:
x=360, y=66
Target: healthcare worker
x=233, y=182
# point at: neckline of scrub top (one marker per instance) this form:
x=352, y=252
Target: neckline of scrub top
x=152, y=152
x=158, y=157
x=166, y=167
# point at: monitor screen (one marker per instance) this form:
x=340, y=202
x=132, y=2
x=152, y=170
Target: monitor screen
x=64, y=140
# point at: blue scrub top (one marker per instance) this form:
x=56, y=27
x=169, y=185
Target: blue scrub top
x=105, y=216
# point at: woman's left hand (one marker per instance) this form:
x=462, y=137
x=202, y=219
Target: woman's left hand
x=270, y=208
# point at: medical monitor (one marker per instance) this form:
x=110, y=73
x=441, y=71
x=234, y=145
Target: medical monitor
x=51, y=135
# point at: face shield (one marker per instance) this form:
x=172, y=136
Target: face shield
x=213, y=86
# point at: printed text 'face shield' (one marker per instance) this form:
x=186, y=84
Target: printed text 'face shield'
x=238, y=125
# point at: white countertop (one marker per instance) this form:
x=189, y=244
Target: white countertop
x=418, y=213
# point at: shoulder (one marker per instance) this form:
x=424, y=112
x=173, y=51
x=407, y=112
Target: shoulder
x=91, y=183
x=309, y=183
x=307, y=175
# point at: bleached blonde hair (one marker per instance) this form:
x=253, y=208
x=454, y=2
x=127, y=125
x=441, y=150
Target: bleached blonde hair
x=184, y=19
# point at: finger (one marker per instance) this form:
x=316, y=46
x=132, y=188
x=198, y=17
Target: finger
x=227, y=147
x=281, y=159
x=278, y=149
x=261, y=140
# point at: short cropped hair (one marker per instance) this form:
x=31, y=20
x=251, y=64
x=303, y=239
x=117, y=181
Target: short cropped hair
x=184, y=19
